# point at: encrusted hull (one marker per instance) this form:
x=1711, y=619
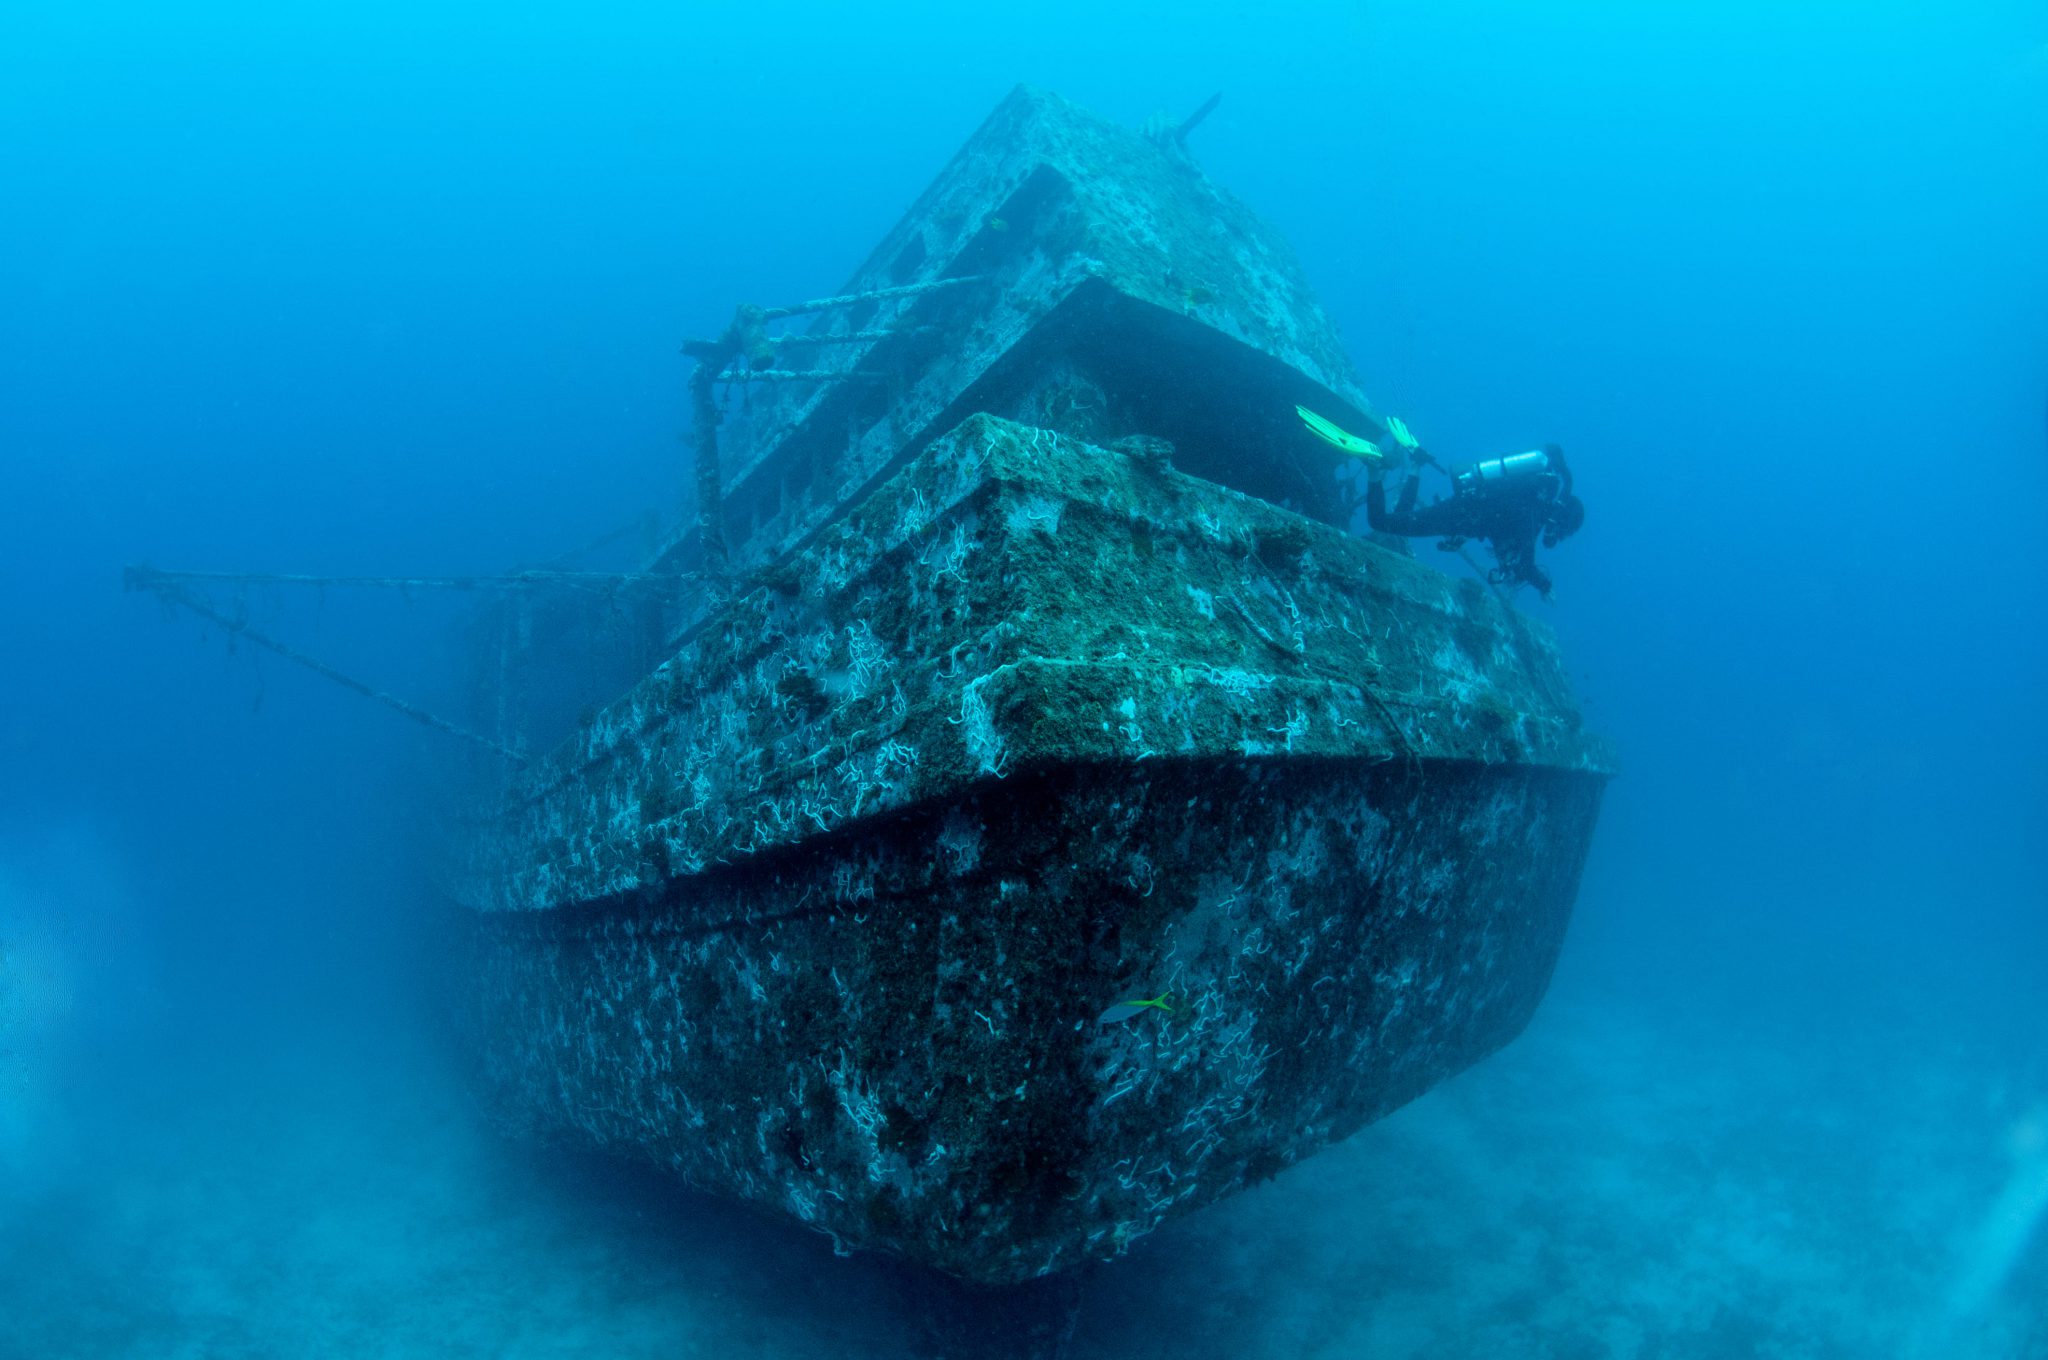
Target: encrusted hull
x=893, y=1035
x=827, y=912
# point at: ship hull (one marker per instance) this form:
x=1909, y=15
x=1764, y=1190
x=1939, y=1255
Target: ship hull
x=840, y=911
x=896, y=1035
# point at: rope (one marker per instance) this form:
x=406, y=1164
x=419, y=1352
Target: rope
x=150, y=578
x=171, y=593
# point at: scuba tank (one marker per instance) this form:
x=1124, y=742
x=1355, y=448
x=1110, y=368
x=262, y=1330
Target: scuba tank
x=1497, y=475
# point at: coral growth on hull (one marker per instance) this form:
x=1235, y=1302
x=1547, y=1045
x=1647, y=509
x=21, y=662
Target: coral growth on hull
x=841, y=909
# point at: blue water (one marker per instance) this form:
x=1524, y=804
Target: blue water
x=363, y=288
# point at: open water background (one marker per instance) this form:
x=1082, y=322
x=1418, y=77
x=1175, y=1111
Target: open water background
x=398, y=287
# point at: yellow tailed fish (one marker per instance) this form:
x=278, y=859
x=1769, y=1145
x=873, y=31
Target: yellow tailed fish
x=1124, y=1010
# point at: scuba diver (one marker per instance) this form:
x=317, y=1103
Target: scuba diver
x=1507, y=501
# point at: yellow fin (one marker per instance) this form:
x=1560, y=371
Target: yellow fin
x=1337, y=437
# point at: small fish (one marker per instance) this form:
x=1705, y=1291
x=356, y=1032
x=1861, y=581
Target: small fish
x=1124, y=1010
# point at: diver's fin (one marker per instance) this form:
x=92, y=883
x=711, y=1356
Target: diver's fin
x=1336, y=437
x=1399, y=429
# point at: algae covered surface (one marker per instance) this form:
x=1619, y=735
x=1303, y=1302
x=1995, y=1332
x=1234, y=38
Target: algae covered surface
x=825, y=912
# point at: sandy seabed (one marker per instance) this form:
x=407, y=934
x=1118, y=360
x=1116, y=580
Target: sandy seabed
x=1632, y=1178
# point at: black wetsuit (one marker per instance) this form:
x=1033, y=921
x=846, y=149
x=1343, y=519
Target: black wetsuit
x=1508, y=517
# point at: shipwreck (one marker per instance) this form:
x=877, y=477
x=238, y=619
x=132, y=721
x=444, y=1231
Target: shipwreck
x=1026, y=669
x=1022, y=810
